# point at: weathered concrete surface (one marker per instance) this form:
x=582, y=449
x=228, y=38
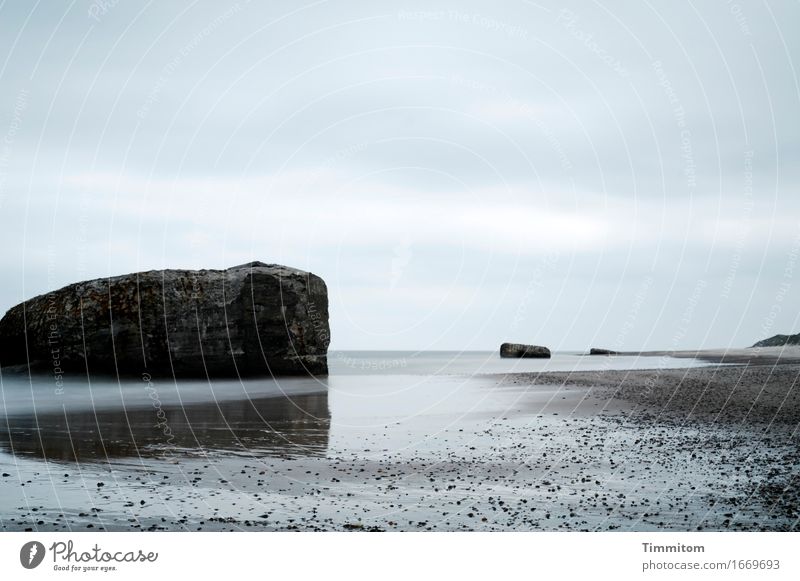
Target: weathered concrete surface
x=597, y=351
x=252, y=319
x=520, y=350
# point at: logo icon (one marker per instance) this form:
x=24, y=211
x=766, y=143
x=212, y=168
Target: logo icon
x=31, y=554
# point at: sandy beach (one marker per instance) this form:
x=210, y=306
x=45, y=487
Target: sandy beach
x=702, y=448
x=750, y=355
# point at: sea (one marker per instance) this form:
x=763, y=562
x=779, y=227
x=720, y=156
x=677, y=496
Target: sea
x=399, y=399
x=22, y=394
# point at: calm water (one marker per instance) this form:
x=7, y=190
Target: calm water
x=394, y=399
x=480, y=362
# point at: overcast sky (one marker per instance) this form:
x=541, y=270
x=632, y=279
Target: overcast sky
x=610, y=174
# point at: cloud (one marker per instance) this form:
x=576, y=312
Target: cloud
x=431, y=160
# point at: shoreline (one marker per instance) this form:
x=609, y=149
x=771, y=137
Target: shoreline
x=702, y=448
x=761, y=392
x=787, y=355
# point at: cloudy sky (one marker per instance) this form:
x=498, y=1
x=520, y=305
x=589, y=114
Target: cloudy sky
x=611, y=174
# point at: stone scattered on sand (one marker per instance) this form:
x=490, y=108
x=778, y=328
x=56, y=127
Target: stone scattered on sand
x=688, y=453
x=521, y=350
x=596, y=351
x=249, y=320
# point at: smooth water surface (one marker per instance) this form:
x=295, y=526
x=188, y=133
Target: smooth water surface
x=391, y=401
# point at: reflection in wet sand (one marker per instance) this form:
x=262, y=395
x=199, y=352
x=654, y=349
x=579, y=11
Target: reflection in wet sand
x=274, y=426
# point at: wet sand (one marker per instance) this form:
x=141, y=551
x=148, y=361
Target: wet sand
x=729, y=435
x=710, y=448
